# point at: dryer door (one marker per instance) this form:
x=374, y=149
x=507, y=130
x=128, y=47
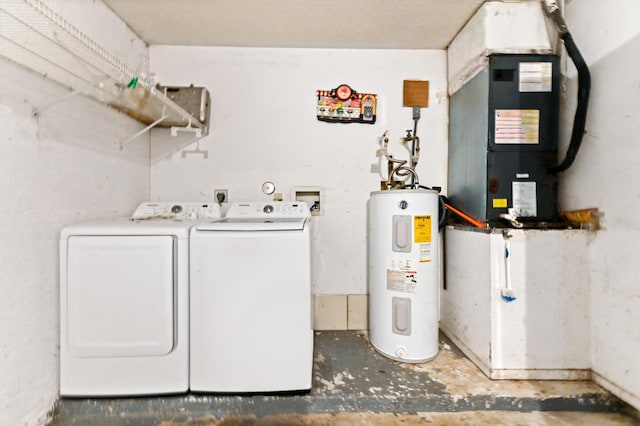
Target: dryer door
x=120, y=296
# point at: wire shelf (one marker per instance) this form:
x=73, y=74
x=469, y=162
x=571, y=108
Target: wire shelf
x=33, y=35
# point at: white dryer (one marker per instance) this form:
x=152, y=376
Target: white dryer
x=124, y=302
x=251, y=316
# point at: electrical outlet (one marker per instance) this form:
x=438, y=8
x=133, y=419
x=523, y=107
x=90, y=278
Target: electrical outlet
x=220, y=196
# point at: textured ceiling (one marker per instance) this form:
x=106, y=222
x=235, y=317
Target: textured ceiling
x=366, y=24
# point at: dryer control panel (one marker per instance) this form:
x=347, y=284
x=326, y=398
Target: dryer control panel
x=176, y=211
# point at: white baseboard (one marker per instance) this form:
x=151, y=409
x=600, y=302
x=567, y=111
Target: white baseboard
x=626, y=396
x=41, y=415
x=516, y=373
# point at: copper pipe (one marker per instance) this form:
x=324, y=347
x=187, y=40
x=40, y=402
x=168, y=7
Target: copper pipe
x=471, y=220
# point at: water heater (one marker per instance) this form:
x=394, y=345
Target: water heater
x=403, y=273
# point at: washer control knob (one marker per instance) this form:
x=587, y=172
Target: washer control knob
x=268, y=208
x=176, y=208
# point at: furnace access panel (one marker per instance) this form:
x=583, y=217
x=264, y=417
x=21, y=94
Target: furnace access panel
x=503, y=137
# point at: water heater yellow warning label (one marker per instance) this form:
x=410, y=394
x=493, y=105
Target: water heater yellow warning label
x=421, y=229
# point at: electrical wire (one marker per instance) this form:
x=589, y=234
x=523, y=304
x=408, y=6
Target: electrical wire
x=443, y=214
x=415, y=143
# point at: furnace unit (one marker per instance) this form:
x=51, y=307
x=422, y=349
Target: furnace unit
x=503, y=139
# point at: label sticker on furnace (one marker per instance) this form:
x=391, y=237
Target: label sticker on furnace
x=517, y=126
x=500, y=203
x=402, y=275
x=535, y=76
x=524, y=199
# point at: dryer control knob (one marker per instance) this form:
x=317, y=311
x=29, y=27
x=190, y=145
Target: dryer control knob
x=176, y=208
x=268, y=208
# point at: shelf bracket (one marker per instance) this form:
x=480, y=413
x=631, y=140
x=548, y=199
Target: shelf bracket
x=197, y=151
x=197, y=131
x=146, y=129
x=198, y=136
x=38, y=110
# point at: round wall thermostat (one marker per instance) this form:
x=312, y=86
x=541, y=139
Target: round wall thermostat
x=268, y=188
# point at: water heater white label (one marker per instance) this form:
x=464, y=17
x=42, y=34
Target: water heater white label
x=535, y=76
x=425, y=252
x=402, y=275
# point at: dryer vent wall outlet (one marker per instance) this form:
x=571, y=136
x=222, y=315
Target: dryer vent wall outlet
x=220, y=196
x=312, y=196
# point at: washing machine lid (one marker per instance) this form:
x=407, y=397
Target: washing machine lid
x=254, y=224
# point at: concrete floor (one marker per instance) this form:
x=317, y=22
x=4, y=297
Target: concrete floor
x=354, y=385
x=474, y=418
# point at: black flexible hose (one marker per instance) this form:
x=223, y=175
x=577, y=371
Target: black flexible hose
x=580, y=118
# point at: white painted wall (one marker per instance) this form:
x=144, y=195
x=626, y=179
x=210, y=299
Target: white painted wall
x=605, y=175
x=65, y=167
x=60, y=168
x=264, y=127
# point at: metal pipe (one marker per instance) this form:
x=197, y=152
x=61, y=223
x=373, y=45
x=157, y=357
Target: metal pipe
x=123, y=143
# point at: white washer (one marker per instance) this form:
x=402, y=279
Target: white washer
x=251, y=316
x=124, y=302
